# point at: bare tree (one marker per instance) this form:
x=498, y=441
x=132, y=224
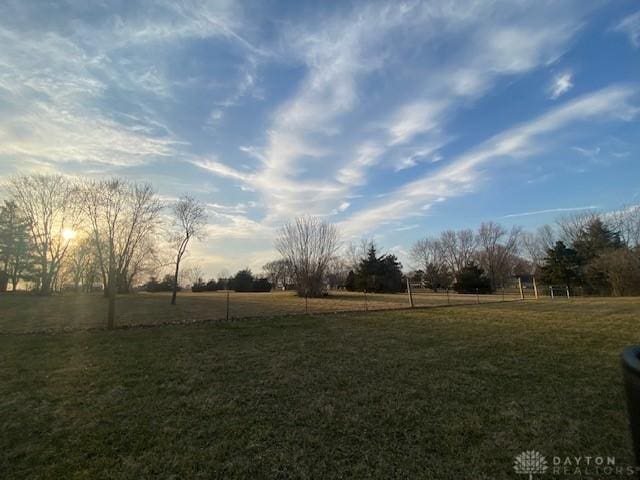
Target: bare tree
x=308, y=244
x=135, y=242
x=458, y=248
x=497, y=251
x=104, y=203
x=189, y=219
x=571, y=226
x=537, y=244
x=278, y=272
x=428, y=256
x=50, y=207
x=355, y=252
x=81, y=265
x=626, y=221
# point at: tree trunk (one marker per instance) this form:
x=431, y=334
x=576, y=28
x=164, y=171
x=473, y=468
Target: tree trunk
x=111, y=314
x=175, y=284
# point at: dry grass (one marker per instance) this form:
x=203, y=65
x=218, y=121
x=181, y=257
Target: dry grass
x=31, y=313
x=447, y=394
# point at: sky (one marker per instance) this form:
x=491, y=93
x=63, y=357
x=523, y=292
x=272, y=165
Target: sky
x=393, y=120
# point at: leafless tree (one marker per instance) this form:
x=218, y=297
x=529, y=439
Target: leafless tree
x=189, y=217
x=81, y=265
x=355, y=252
x=458, y=248
x=104, y=203
x=538, y=243
x=123, y=218
x=135, y=244
x=278, y=272
x=50, y=206
x=621, y=268
x=497, y=251
x=428, y=257
x=626, y=221
x=571, y=226
x=308, y=244
x=337, y=271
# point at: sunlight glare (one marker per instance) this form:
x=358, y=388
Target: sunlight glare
x=69, y=234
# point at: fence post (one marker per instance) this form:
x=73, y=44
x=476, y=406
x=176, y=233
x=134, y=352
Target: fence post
x=365, y=300
x=448, y=301
x=503, y=292
x=477, y=297
x=306, y=304
x=551, y=291
x=535, y=287
x=227, y=305
x=520, y=287
x=568, y=296
x=410, y=293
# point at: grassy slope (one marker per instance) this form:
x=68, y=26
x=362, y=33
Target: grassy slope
x=446, y=393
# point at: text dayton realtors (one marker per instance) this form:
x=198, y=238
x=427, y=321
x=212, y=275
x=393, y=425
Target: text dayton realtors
x=590, y=465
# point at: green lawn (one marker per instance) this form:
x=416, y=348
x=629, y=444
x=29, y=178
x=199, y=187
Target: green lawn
x=450, y=393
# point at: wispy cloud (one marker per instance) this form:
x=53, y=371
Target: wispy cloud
x=630, y=26
x=550, y=210
x=465, y=172
x=560, y=85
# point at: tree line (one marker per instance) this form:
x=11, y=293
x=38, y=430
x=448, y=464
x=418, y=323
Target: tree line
x=598, y=253
x=55, y=230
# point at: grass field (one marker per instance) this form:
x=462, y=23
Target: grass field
x=451, y=393
x=31, y=313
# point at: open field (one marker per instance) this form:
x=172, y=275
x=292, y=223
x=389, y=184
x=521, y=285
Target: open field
x=450, y=393
x=28, y=313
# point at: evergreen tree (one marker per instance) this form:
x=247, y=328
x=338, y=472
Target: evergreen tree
x=472, y=279
x=379, y=274
x=242, y=282
x=350, y=282
x=561, y=266
x=16, y=250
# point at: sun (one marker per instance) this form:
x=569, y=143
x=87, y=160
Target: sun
x=69, y=234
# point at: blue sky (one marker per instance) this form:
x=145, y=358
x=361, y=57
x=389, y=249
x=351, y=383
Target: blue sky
x=393, y=120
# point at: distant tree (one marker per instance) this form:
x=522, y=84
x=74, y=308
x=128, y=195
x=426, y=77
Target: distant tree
x=537, y=244
x=350, y=282
x=308, y=244
x=199, y=285
x=166, y=285
x=594, y=241
x=472, y=279
x=428, y=255
x=261, y=285
x=561, y=266
x=497, y=251
x=379, y=274
x=16, y=250
x=621, y=270
x=278, y=272
x=49, y=205
x=242, y=281
x=188, y=222
x=458, y=248
x=596, y=238
x=626, y=221
x=569, y=227
x=82, y=265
